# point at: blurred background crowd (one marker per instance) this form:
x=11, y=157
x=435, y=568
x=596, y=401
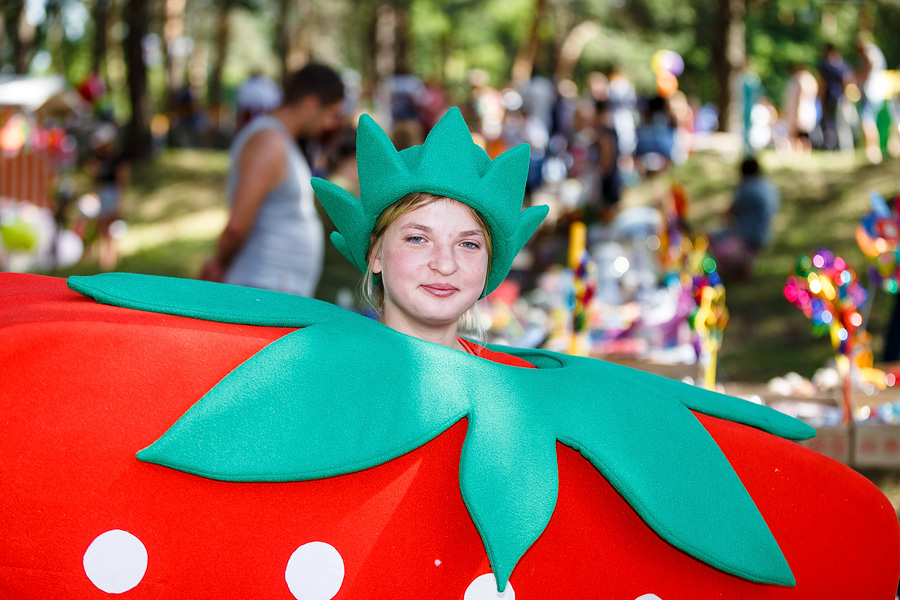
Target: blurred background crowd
x=116, y=115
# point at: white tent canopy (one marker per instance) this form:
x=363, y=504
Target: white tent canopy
x=50, y=93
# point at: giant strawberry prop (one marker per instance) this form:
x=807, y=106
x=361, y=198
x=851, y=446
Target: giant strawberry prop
x=346, y=460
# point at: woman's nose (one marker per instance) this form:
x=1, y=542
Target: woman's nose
x=443, y=259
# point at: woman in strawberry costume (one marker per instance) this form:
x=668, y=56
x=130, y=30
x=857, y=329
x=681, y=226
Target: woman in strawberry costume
x=168, y=438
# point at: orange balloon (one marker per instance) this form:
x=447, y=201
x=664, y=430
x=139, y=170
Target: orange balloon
x=666, y=84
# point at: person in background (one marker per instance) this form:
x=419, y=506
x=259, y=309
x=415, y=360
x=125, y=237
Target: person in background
x=801, y=113
x=273, y=238
x=110, y=173
x=870, y=79
x=751, y=93
x=623, y=111
x=749, y=228
x=606, y=163
x=256, y=96
x=407, y=93
x=655, y=137
x=835, y=75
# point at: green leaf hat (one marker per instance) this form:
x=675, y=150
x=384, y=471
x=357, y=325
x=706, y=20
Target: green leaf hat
x=448, y=164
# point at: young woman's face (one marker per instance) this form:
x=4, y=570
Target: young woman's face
x=433, y=264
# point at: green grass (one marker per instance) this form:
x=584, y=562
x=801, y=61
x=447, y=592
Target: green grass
x=824, y=195
x=175, y=208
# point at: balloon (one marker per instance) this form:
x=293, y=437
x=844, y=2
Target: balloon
x=667, y=61
x=666, y=84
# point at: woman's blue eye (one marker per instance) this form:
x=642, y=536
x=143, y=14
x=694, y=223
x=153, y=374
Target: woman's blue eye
x=471, y=245
x=415, y=239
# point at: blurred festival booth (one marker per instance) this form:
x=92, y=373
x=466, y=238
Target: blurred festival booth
x=36, y=151
x=638, y=290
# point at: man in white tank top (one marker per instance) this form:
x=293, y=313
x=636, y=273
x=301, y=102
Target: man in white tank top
x=273, y=238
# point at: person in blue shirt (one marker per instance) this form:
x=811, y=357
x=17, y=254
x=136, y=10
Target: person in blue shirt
x=750, y=217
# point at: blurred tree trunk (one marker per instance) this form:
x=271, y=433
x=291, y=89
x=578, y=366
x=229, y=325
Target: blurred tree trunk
x=300, y=28
x=729, y=58
x=283, y=42
x=15, y=26
x=528, y=51
x=100, y=15
x=173, y=31
x=572, y=47
x=223, y=37
x=401, y=35
x=138, y=142
x=384, y=57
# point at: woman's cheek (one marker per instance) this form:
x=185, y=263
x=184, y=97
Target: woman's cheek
x=478, y=268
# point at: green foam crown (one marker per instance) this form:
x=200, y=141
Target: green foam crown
x=448, y=164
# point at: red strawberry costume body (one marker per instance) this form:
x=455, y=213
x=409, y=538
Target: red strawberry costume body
x=84, y=386
x=198, y=440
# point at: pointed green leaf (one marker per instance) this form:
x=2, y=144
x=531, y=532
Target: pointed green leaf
x=508, y=479
x=694, y=398
x=207, y=300
x=731, y=408
x=344, y=209
x=306, y=408
x=668, y=467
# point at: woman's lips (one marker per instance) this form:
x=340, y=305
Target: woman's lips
x=442, y=290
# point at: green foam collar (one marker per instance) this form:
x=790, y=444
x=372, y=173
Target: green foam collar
x=448, y=164
x=316, y=403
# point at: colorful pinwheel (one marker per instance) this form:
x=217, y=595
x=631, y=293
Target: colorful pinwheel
x=828, y=292
x=878, y=236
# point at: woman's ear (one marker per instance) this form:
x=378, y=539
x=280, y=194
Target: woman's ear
x=375, y=255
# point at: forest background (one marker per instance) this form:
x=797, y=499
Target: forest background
x=148, y=50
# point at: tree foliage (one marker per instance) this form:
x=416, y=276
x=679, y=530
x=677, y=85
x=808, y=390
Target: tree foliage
x=223, y=40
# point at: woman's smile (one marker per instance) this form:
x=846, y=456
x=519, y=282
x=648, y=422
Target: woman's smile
x=441, y=290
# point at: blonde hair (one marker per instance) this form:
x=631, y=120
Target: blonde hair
x=373, y=293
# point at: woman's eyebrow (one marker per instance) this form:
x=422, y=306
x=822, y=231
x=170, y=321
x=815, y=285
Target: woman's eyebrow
x=417, y=226
x=427, y=229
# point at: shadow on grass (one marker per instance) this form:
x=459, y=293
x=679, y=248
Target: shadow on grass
x=177, y=183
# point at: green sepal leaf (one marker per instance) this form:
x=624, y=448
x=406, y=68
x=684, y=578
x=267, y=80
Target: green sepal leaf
x=511, y=496
x=662, y=460
x=206, y=300
x=306, y=408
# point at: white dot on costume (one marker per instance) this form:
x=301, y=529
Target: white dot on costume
x=437, y=563
x=484, y=587
x=315, y=571
x=115, y=561
x=648, y=597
